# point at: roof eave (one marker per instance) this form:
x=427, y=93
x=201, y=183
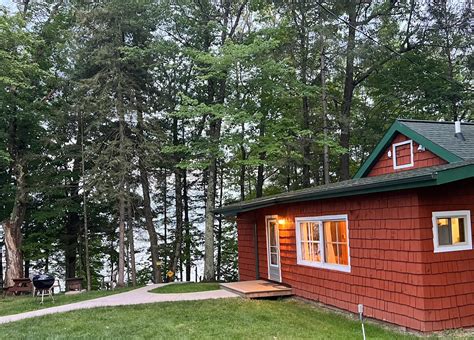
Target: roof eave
x=397, y=184
x=432, y=179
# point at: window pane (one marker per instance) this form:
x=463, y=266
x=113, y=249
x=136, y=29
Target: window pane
x=272, y=234
x=331, y=253
x=341, y=231
x=335, y=236
x=316, y=254
x=330, y=231
x=305, y=253
x=457, y=229
x=274, y=259
x=335, y=231
x=403, y=154
x=304, y=231
x=315, y=231
x=343, y=254
x=444, y=232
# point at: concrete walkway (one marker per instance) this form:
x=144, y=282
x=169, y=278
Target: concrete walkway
x=133, y=297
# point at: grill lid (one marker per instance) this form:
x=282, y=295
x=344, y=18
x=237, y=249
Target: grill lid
x=43, y=281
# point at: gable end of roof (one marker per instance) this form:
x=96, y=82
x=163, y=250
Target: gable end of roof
x=399, y=127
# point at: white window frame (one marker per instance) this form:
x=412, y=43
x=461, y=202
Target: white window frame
x=324, y=265
x=394, y=153
x=466, y=214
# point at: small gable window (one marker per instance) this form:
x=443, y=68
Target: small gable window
x=402, y=154
x=452, y=230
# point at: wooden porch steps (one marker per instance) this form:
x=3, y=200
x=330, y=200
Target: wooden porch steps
x=257, y=289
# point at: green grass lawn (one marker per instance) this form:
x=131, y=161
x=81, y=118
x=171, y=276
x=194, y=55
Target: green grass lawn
x=188, y=287
x=19, y=304
x=209, y=319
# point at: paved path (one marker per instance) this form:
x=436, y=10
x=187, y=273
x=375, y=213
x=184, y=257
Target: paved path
x=133, y=297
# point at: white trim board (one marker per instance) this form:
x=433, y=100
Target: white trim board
x=466, y=214
x=267, y=219
x=394, y=155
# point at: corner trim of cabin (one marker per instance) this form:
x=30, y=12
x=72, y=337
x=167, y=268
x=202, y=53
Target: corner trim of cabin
x=387, y=139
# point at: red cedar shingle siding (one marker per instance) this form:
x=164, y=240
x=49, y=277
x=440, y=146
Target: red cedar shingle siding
x=394, y=271
x=384, y=164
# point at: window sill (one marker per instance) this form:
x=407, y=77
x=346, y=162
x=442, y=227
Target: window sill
x=447, y=249
x=335, y=267
x=404, y=166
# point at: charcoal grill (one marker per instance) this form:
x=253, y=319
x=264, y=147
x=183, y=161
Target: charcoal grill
x=43, y=284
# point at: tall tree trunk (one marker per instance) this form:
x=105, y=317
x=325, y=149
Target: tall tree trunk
x=261, y=167
x=219, y=226
x=165, y=217
x=306, y=178
x=242, y=167
x=121, y=193
x=144, y=180
x=70, y=243
x=112, y=250
x=131, y=244
x=84, y=207
x=214, y=135
x=27, y=268
x=209, y=270
x=345, y=119
x=178, y=203
x=187, y=228
x=13, y=237
x=447, y=49
x=72, y=227
x=325, y=115
x=121, y=260
x=12, y=227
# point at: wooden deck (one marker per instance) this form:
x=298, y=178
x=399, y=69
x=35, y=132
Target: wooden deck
x=257, y=289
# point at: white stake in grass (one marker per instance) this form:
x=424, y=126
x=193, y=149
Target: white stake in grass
x=360, y=308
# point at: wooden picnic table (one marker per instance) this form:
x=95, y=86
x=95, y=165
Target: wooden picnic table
x=20, y=286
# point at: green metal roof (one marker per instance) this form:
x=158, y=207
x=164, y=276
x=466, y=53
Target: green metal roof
x=422, y=177
x=437, y=137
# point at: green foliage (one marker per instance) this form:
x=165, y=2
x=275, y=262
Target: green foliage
x=240, y=86
x=178, y=288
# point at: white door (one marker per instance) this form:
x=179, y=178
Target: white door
x=273, y=249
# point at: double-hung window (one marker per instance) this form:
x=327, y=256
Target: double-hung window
x=452, y=230
x=323, y=242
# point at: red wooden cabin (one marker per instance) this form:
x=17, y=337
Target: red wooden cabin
x=397, y=238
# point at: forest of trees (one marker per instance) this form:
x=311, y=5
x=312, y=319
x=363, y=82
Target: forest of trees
x=123, y=124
